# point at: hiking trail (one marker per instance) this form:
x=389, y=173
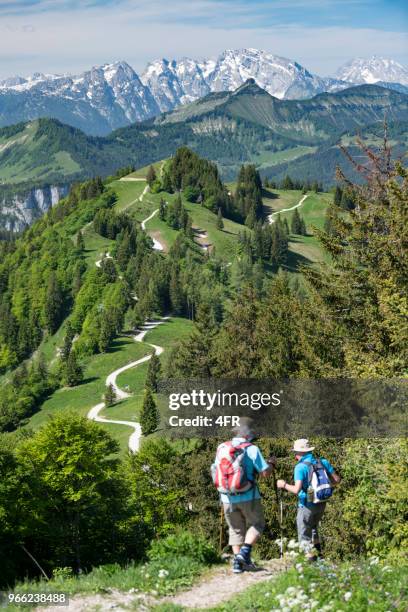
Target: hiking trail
x=156, y=244
x=214, y=587
x=93, y=414
x=278, y=212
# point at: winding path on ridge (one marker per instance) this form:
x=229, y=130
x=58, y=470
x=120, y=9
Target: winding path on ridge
x=278, y=212
x=93, y=414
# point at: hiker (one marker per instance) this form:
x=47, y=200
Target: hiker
x=314, y=481
x=237, y=464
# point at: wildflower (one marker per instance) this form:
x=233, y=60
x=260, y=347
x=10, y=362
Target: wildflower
x=299, y=567
x=347, y=596
x=374, y=561
x=163, y=573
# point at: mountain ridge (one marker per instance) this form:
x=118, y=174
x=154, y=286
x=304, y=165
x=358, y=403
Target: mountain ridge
x=230, y=128
x=113, y=95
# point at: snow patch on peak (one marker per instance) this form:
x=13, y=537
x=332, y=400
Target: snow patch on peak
x=372, y=70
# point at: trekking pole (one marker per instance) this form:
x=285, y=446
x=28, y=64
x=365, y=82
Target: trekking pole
x=279, y=507
x=221, y=529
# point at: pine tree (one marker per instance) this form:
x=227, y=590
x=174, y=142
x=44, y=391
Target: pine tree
x=166, y=182
x=162, y=209
x=303, y=230
x=67, y=346
x=287, y=182
x=80, y=241
x=250, y=218
x=109, y=396
x=53, y=304
x=153, y=373
x=338, y=192
x=296, y=224
x=220, y=222
x=175, y=292
x=151, y=176
x=192, y=357
x=149, y=416
x=72, y=371
x=106, y=332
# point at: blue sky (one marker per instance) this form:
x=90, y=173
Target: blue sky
x=73, y=35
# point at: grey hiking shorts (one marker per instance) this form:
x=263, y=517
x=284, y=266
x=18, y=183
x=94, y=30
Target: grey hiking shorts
x=308, y=522
x=242, y=517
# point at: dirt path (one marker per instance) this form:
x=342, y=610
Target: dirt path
x=278, y=212
x=156, y=244
x=130, y=179
x=215, y=587
x=221, y=585
x=106, y=256
x=93, y=414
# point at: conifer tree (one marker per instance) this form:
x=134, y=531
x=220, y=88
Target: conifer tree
x=53, y=305
x=67, y=345
x=175, y=292
x=109, y=396
x=153, y=373
x=151, y=176
x=296, y=224
x=287, y=183
x=72, y=371
x=162, y=209
x=149, y=416
x=337, y=195
x=192, y=357
x=80, y=241
x=220, y=222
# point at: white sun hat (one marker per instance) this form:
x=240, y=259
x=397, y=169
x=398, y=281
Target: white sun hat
x=302, y=446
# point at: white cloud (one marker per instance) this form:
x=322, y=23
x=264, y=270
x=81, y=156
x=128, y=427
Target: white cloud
x=74, y=40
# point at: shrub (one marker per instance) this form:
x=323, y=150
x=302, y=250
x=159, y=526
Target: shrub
x=183, y=544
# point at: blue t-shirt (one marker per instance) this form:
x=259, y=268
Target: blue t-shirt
x=301, y=472
x=253, y=463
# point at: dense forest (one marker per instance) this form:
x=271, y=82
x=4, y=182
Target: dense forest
x=75, y=509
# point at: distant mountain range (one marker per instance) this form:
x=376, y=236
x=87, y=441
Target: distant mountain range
x=112, y=96
x=247, y=125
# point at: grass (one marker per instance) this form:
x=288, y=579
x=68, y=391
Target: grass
x=81, y=398
x=325, y=587
x=128, y=193
x=268, y=158
x=173, y=563
x=166, y=335
x=302, y=249
x=141, y=172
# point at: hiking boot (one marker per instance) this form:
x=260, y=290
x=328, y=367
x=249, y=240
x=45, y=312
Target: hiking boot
x=244, y=557
x=237, y=566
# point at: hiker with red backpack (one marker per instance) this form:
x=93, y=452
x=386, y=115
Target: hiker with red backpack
x=314, y=482
x=237, y=464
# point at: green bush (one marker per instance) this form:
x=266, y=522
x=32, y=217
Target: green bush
x=183, y=544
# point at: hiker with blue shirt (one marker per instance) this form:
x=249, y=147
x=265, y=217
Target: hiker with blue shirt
x=314, y=481
x=237, y=464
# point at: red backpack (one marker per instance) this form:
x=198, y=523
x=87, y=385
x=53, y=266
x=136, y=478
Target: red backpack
x=228, y=471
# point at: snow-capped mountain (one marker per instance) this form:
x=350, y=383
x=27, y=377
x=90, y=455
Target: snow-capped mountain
x=175, y=83
x=113, y=95
x=373, y=70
